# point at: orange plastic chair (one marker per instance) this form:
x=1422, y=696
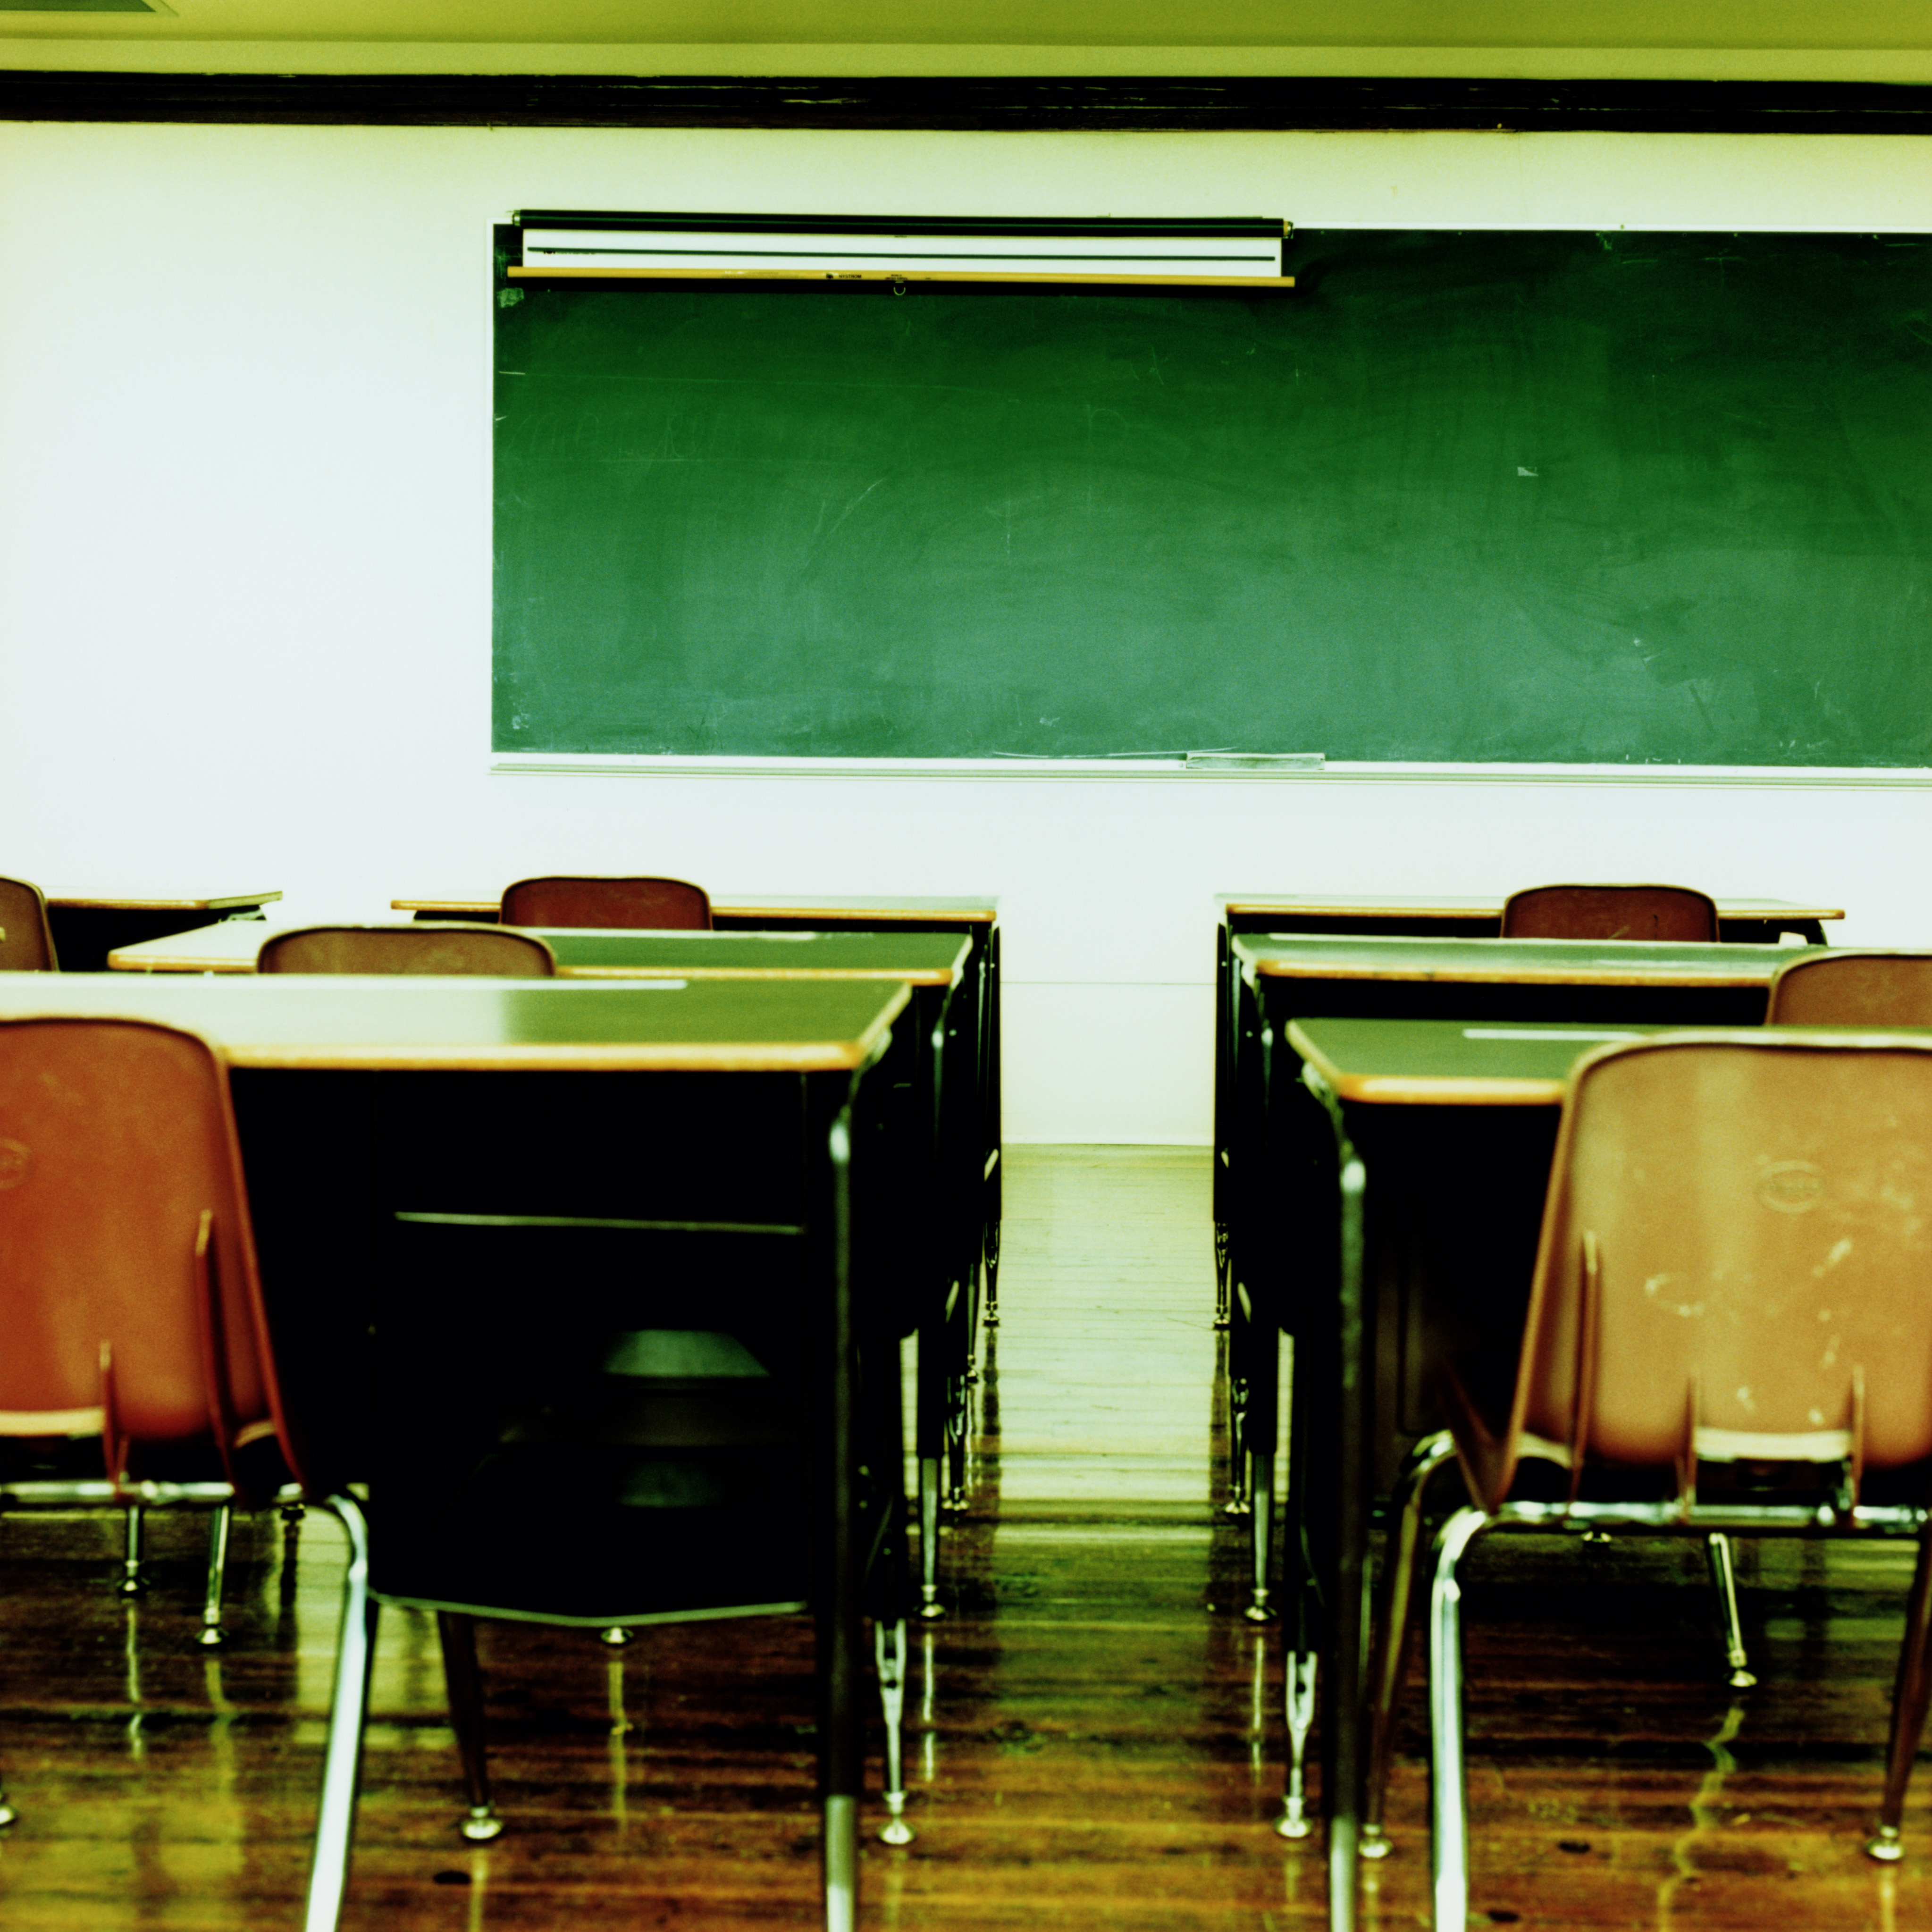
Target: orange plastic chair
x=131, y=1315
x=1717, y=1207
x=425, y=948
x=26, y=940
x=660, y=905
x=1610, y=912
x=127, y=1336
x=1853, y=989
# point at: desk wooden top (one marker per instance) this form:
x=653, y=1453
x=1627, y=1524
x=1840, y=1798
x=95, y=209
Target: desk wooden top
x=1446, y=1063
x=1524, y=962
x=923, y=958
x=411, y=1023
x=1394, y=905
x=1491, y=1063
x=970, y=910
x=152, y=902
x=926, y=959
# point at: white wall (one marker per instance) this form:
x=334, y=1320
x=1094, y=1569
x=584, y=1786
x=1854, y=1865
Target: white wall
x=244, y=562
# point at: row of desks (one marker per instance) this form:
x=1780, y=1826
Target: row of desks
x=1331, y=916
x=1386, y=1128
x=937, y=1097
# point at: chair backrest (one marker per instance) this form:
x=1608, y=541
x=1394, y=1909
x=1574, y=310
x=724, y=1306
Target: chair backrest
x=1853, y=989
x=1610, y=912
x=1734, y=1259
x=424, y=948
x=661, y=905
x=26, y=940
x=129, y=1306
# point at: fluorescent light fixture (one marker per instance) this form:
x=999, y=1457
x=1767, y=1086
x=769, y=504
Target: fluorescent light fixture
x=1241, y=253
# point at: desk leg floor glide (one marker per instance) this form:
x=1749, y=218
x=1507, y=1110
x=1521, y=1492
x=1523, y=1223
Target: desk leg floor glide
x=1298, y=1689
x=889, y=1651
x=930, y=1607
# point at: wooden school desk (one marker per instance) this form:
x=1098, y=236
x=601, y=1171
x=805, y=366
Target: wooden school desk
x=972, y=914
x=88, y=927
x=1562, y=981
x=936, y=1208
x=748, y=1102
x=1740, y=922
x=1423, y=1147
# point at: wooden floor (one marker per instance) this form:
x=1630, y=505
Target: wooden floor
x=1096, y=1739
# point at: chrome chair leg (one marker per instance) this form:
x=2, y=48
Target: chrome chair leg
x=464, y=1684
x=211, y=1634
x=889, y=1654
x=841, y=1817
x=1221, y=1264
x=1449, y=1834
x=929, y=1605
x=991, y=1251
x=1299, y=1691
x=132, y=1581
x=291, y=1514
x=1389, y=1633
x=348, y=1716
x=1717, y=1547
x=1261, y=1489
x=1909, y=1698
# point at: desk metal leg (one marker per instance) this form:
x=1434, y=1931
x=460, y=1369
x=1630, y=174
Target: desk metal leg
x=1261, y=1536
x=841, y=1633
x=888, y=1650
x=1299, y=1688
x=1344, y=1754
x=929, y=1605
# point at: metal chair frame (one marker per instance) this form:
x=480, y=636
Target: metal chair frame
x=1449, y=1834
x=1567, y=1320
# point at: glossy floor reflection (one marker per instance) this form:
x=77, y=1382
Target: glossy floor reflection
x=1094, y=1735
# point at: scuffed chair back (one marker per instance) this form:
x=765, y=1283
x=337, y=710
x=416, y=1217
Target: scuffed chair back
x=426, y=948
x=26, y=940
x=1853, y=989
x=1735, y=1261
x=128, y=1304
x=661, y=905
x=1610, y=912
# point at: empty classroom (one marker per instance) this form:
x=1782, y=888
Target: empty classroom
x=292, y=628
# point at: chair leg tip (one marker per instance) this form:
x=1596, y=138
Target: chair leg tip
x=895, y=1832
x=931, y=1612
x=1259, y=1611
x=616, y=1637
x=8, y=1813
x=1886, y=1847
x=211, y=1637
x=482, y=1825
x=1744, y=1680
x=1374, y=1843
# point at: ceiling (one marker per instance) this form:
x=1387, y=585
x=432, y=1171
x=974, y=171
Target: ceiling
x=1792, y=26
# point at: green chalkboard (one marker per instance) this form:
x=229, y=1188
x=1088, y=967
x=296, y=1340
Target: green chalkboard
x=1490, y=495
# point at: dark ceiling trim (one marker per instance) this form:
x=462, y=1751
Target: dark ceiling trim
x=606, y=101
